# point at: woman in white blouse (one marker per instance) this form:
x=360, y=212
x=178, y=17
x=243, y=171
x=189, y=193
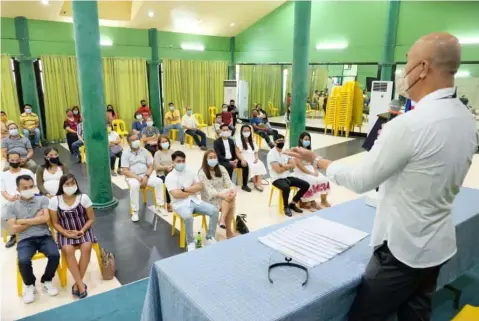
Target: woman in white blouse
x=48, y=175
x=114, y=141
x=249, y=151
x=218, y=189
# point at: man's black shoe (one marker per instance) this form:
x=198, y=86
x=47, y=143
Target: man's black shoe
x=246, y=188
x=11, y=242
x=295, y=208
x=287, y=212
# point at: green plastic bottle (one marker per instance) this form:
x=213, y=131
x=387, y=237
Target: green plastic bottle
x=199, y=240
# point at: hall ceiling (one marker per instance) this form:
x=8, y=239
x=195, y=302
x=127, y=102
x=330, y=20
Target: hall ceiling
x=216, y=18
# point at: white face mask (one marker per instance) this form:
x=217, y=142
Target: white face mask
x=70, y=190
x=226, y=134
x=149, y=123
x=225, y=110
x=165, y=145
x=27, y=194
x=28, y=110
x=135, y=144
x=13, y=132
x=172, y=108
x=246, y=134
x=139, y=117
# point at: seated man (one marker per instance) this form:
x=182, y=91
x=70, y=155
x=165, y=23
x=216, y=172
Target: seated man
x=183, y=185
x=263, y=115
x=227, y=119
x=173, y=121
x=79, y=143
x=30, y=125
x=225, y=149
x=28, y=217
x=8, y=187
x=280, y=169
x=261, y=129
x=21, y=145
x=217, y=125
x=137, y=166
x=191, y=128
x=150, y=135
x=144, y=109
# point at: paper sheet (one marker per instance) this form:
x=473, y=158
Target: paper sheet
x=313, y=241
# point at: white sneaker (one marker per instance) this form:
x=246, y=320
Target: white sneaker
x=134, y=217
x=50, y=288
x=210, y=241
x=28, y=293
x=161, y=210
x=191, y=247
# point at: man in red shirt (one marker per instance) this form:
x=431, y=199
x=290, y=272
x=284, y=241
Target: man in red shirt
x=144, y=109
x=227, y=119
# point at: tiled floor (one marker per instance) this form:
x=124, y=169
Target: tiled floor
x=138, y=245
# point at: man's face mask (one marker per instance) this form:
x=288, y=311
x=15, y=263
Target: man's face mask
x=404, y=84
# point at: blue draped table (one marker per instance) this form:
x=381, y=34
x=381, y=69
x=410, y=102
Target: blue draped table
x=229, y=281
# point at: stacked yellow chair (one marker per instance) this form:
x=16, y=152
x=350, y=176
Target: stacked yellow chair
x=332, y=107
x=345, y=112
x=358, y=106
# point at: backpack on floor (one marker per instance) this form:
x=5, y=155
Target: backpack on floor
x=241, y=226
x=108, y=265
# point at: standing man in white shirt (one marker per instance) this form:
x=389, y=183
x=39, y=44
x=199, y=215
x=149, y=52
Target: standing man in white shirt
x=137, y=166
x=191, y=128
x=183, y=185
x=420, y=161
x=8, y=187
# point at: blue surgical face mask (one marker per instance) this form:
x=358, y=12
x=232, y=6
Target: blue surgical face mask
x=180, y=167
x=13, y=132
x=212, y=162
x=188, y=112
x=306, y=143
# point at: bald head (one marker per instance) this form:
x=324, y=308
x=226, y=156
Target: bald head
x=431, y=64
x=441, y=49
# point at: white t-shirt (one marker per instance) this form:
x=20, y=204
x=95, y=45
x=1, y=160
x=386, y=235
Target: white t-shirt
x=8, y=180
x=189, y=121
x=278, y=157
x=227, y=149
x=113, y=136
x=176, y=180
x=83, y=198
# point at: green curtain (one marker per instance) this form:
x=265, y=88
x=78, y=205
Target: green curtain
x=317, y=79
x=61, y=91
x=198, y=84
x=264, y=83
x=9, y=90
x=126, y=83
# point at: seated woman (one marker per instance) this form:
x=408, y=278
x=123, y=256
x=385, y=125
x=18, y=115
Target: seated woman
x=114, y=141
x=150, y=135
x=263, y=115
x=218, y=189
x=70, y=125
x=318, y=183
x=287, y=116
x=139, y=123
x=49, y=174
x=164, y=164
x=110, y=114
x=249, y=151
x=76, y=113
x=72, y=216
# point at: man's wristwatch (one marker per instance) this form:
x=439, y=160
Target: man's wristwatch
x=147, y=175
x=183, y=189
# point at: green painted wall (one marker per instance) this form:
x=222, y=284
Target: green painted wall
x=361, y=24
x=461, y=18
x=56, y=38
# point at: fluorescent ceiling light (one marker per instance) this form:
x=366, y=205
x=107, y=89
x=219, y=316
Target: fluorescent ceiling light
x=186, y=46
x=469, y=40
x=462, y=74
x=331, y=45
x=106, y=42
x=44, y=2
x=151, y=14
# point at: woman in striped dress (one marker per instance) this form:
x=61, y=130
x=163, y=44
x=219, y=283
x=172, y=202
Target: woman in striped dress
x=72, y=216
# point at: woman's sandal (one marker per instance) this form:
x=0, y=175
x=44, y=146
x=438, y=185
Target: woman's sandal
x=83, y=294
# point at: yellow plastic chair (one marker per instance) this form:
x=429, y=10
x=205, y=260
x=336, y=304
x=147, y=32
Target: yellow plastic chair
x=213, y=111
x=5, y=235
x=64, y=265
x=38, y=256
x=467, y=313
x=272, y=110
x=280, y=198
x=119, y=126
x=239, y=176
x=258, y=138
x=172, y=134
x=199, y=121
x=309, y=112
x=144, y=196
x=82, y=154
x=182, y=227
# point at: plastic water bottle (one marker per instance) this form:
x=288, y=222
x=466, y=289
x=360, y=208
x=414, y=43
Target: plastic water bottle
x=199, y=240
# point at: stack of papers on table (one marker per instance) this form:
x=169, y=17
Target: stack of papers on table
x=312, y=241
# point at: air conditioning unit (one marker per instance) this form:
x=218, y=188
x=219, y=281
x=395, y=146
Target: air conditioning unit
x=237, y=90
x=381, y=96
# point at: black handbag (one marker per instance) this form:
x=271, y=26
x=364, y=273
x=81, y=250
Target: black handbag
x=241, y=226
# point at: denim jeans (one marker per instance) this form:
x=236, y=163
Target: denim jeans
x=27, y=248
x=197, y=134
x=181, y=131
x=36, y=135
x=186, y=211
x=76, y=148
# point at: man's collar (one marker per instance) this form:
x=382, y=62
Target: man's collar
x=28, y=201
x=438, y=94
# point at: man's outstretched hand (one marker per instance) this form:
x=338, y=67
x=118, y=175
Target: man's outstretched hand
x=301, y=153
